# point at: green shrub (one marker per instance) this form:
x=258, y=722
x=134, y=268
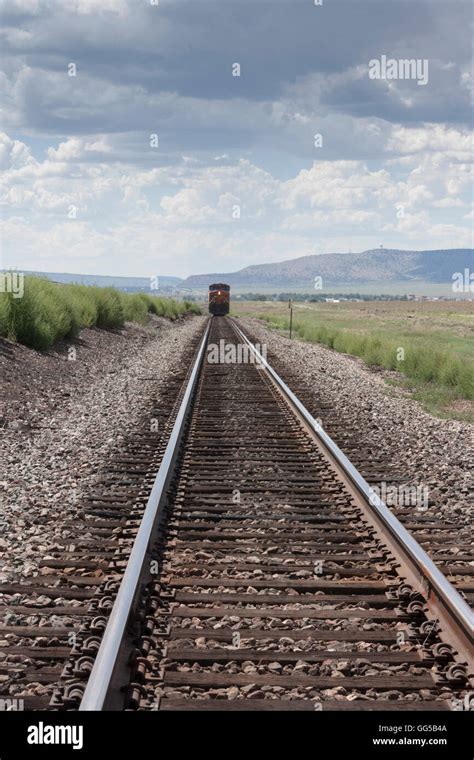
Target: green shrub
x=84, y=303
x=373, y=352
x=423, y=362
x=135, y=308
x=458, y=375
x=48, y=312
x=110, y=312
x=191, y=308
x=6, y=317
x=41, y=317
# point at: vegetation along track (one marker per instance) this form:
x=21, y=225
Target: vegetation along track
x=261, y=576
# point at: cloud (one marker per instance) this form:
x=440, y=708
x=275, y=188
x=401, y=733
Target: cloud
x=13, y=153
x=84, y=141
x=174, y=217
x=454, y=143
x=77, y=149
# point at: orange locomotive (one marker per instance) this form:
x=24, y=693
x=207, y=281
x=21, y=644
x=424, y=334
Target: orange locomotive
x=219, y=296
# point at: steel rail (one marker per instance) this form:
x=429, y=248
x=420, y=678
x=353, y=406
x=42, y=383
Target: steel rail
x=101, y=676
x=448, y=604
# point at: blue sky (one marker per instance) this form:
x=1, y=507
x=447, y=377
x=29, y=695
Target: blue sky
x=236, y=178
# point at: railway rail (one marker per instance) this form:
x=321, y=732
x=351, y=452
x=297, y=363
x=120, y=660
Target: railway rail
x=439, y=534
x=241, y=564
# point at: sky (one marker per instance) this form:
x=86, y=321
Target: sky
x=176, y=137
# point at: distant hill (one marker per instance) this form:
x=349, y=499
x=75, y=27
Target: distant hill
x=378, y=267
x=129, y=284
x=374, y=271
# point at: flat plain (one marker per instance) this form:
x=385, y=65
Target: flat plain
x=426, y=347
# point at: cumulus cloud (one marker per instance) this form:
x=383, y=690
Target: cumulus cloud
x=13, y=153
x=392, y=158
x=173, y=214
x=79, y=149
x=452, y=142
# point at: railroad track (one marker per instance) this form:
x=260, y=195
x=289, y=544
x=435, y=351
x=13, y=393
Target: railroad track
x=47, y=618
x=262, y=576
x=449, y=547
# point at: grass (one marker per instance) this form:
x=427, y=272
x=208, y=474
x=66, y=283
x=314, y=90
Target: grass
x=430, y=345
x=48, y=312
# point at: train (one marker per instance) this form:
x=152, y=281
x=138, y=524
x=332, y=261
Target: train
x=219, y=299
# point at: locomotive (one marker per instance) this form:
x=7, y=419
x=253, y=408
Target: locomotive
x=219, y=296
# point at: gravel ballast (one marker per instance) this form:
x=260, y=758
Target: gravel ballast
x=63, y=420
x=431, y=452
